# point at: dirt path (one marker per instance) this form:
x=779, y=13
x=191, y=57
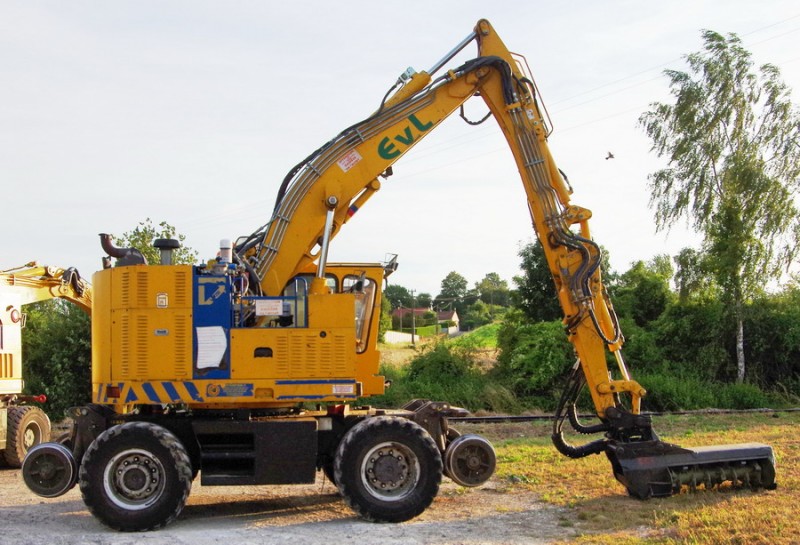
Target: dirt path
x=300, y=515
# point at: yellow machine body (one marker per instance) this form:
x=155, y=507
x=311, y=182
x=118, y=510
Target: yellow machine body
x=153, y=344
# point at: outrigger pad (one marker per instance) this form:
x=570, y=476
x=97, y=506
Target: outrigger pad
x=655, y=468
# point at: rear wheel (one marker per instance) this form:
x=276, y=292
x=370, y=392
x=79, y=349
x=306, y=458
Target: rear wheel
x=27, y=427
x=388, y=469
x=136, y=477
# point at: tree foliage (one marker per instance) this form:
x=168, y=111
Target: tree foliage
x=398, y=296
x=535, y=293
x=454, y=294
x=493, y=290
x=57, y=347
x=731, y=142
x=643, y=292
x=143, y=235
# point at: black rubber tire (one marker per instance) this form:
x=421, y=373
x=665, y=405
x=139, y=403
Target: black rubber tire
x=392, y=451
x=27, y=427
x=111, y=477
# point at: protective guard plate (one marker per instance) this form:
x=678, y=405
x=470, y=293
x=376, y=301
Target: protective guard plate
x=655, y=468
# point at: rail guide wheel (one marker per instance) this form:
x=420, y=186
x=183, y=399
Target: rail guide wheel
x=50, y=470
x=470, y=460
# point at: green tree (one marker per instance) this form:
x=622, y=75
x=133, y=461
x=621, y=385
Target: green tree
x=643, y=292
x=731, y=141
x=58, y=355
x=476, y=315
x=692, y=276
x=453, y=294
x=535, y=293
x=493, y=290
x=398, y=296
x=143, y=235
x=424, y=300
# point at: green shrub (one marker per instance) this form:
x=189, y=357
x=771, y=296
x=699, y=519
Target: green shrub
x=667, y=392
x=441, y=362
x=743, y=396
x=534, y=358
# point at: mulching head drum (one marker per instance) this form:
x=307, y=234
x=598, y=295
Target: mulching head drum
x=655, y=468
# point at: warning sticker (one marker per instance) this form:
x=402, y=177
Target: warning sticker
x=349, y=160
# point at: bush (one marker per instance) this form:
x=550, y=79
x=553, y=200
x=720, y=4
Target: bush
x=446, y=373
x=534, y=358
x=440, y=363
x=667, y=392
x=743, y=396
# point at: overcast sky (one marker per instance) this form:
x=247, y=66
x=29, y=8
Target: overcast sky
x=193, y=111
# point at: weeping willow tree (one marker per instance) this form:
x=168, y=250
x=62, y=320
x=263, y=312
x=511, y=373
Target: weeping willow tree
x=730, y=139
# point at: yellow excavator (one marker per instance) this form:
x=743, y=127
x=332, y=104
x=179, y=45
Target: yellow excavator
x=248, y=370
x=24, y=426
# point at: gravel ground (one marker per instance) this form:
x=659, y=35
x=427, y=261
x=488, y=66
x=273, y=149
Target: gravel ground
x=300, y=515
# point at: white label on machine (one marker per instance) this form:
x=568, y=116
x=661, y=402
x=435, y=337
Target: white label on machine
x=344, y=389
x=269, y=307
x=349, y=160
x=211, y=346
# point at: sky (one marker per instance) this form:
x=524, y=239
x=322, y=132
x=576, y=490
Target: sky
x=191, y=112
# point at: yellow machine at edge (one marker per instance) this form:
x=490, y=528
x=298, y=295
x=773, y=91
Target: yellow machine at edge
x=22, y=424
x=243, y=370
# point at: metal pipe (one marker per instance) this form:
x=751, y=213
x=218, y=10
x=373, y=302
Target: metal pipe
x=456, y=50
x=326, y=236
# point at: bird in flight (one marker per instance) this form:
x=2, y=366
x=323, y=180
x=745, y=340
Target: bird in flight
x=609, y=156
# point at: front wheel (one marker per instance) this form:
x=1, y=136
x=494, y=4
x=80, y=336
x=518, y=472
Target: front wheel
x=136, y=477
x=388, y=469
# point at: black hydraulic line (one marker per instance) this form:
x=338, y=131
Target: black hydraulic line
x=568, y=397
x=572, y=415
x=463, y=116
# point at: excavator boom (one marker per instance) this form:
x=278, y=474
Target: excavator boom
x=337, y=179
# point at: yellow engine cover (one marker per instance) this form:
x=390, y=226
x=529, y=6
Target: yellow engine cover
x=150, y=345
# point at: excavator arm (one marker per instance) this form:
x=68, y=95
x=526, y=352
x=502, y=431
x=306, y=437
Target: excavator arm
x=321, y=193
x=32, y=283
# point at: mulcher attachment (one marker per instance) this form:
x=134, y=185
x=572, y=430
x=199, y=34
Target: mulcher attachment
x=655, y=468
x=649, y=467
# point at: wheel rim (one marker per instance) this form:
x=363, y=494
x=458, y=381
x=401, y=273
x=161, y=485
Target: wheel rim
x=134, y=479
x=32, y=436
x=390, y=471
x=470, y=460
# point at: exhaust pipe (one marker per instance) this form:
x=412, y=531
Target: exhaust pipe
x=124, y=256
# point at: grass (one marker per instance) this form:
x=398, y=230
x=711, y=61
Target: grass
x=600, y=508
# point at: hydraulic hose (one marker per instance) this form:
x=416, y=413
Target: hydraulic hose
x=574, y=384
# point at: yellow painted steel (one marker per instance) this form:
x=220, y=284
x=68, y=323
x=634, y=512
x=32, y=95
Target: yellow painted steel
x=341, y=177
x=143, y=346
x=21, y=286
